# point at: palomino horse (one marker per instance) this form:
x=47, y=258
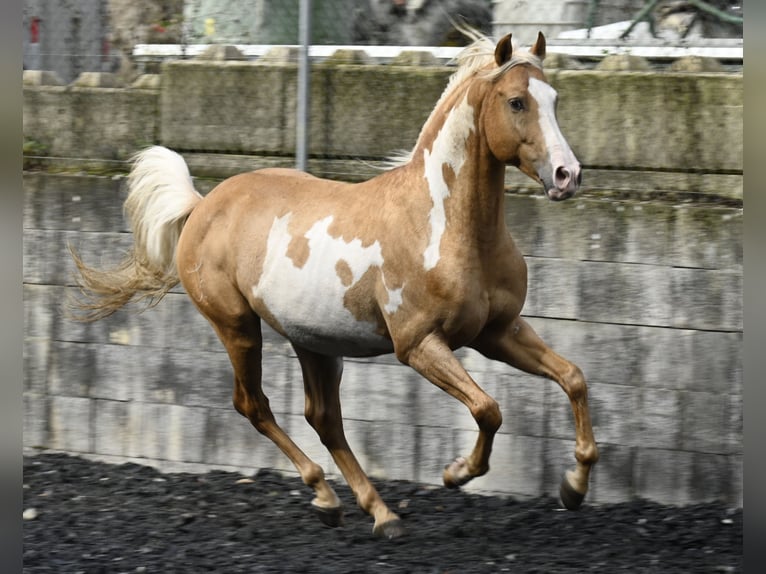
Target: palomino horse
x=416, y=261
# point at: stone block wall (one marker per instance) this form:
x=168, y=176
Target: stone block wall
x=654, y=321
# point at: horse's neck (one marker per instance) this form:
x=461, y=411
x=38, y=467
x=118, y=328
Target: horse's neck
x=460, y=174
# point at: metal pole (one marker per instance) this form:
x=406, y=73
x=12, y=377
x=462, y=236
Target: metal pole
x=302, y=113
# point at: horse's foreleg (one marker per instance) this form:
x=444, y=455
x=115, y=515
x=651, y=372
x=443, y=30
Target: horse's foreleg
x=518, y=345
x=321, y=376
x=433, y=359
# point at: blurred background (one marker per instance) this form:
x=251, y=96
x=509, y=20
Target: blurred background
x=71, y=36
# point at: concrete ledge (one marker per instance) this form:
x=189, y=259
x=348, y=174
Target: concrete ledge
x=41, y=78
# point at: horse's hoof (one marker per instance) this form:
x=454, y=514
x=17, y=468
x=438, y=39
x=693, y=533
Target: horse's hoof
x=389, y=530
x=569, y=496
x=456, y=473
x=332, y=517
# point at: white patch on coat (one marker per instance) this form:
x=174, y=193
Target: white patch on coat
x=394, y=300
x=308, y=301
x=448, y=148
x=559, y=151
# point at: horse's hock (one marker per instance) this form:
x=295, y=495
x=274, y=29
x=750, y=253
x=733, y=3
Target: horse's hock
x=638, y=279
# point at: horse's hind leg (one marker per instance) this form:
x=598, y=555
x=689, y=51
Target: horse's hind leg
x=240, y=333
x=321, y=376
x=518, y=345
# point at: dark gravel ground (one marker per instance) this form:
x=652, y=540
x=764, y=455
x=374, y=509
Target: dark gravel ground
x=93, y=517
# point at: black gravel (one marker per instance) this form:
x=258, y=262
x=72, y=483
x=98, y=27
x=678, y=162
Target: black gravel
x=91, y=517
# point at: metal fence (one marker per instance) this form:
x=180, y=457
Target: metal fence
x=130, y=37
x=73, y=36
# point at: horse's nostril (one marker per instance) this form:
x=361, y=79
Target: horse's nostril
x=562, y=177
x=579, y=178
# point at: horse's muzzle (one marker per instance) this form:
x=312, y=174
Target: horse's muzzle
x=566, y=181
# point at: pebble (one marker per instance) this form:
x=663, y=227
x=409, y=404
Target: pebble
x=245, y=481
x=29, y=514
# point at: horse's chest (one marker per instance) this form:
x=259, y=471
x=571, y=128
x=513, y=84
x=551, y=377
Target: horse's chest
x=321, y=295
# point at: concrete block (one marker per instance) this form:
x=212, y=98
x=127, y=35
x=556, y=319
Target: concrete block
x=282, y=381
x=96, y=80
x=682, y=477
x=661, y=475
x=704, y=423
x=414, y=58
x=623, y=63
x=239, y=106
x=558, y=457
x=341, y=93
x=196, y=378
x=147, y=82
x=712, y=299
x=280, y=55
x=232, y=440
x=380, y=392
x=659, y=419
x=171, y=432
x=628, y=232
x=35, y=430
x=611, y=479
x=734, y=424
x=716, y=360
x=127, y=326
x=221, y=53
x=734, y=491
x=73, y=369
x=707, y=237
x=515, y=465
x=434, y=448
x=385, y=450
x=41, y=78
x=47, y=260
x=69, y=421
x=554, y=291
x=112, y=429
x=36, y=360
x=613, y=413
x=90, y=122
x=306, y=438
x=622, y=293
x=187, y=328
x=37, y=318
x=596, y=113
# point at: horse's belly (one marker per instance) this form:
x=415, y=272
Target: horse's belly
x=308, y=300
x=337, y=339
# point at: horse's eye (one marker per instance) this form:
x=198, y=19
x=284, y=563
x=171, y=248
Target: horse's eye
x=517, y=105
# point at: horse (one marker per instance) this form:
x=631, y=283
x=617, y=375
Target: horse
x=416, y=261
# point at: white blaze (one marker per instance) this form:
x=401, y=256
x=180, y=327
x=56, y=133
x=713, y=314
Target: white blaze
x=448, y=148
x=559, y=151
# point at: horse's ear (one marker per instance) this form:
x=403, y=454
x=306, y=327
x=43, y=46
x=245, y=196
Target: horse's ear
x=503, y=50
x=539, y=48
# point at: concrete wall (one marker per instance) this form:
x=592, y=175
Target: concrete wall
x=669, y=126
x=645, y=295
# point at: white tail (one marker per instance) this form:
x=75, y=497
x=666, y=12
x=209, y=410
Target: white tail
x=161, y=195
x=160, y=198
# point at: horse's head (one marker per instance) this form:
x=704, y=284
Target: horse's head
x=520, y=121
